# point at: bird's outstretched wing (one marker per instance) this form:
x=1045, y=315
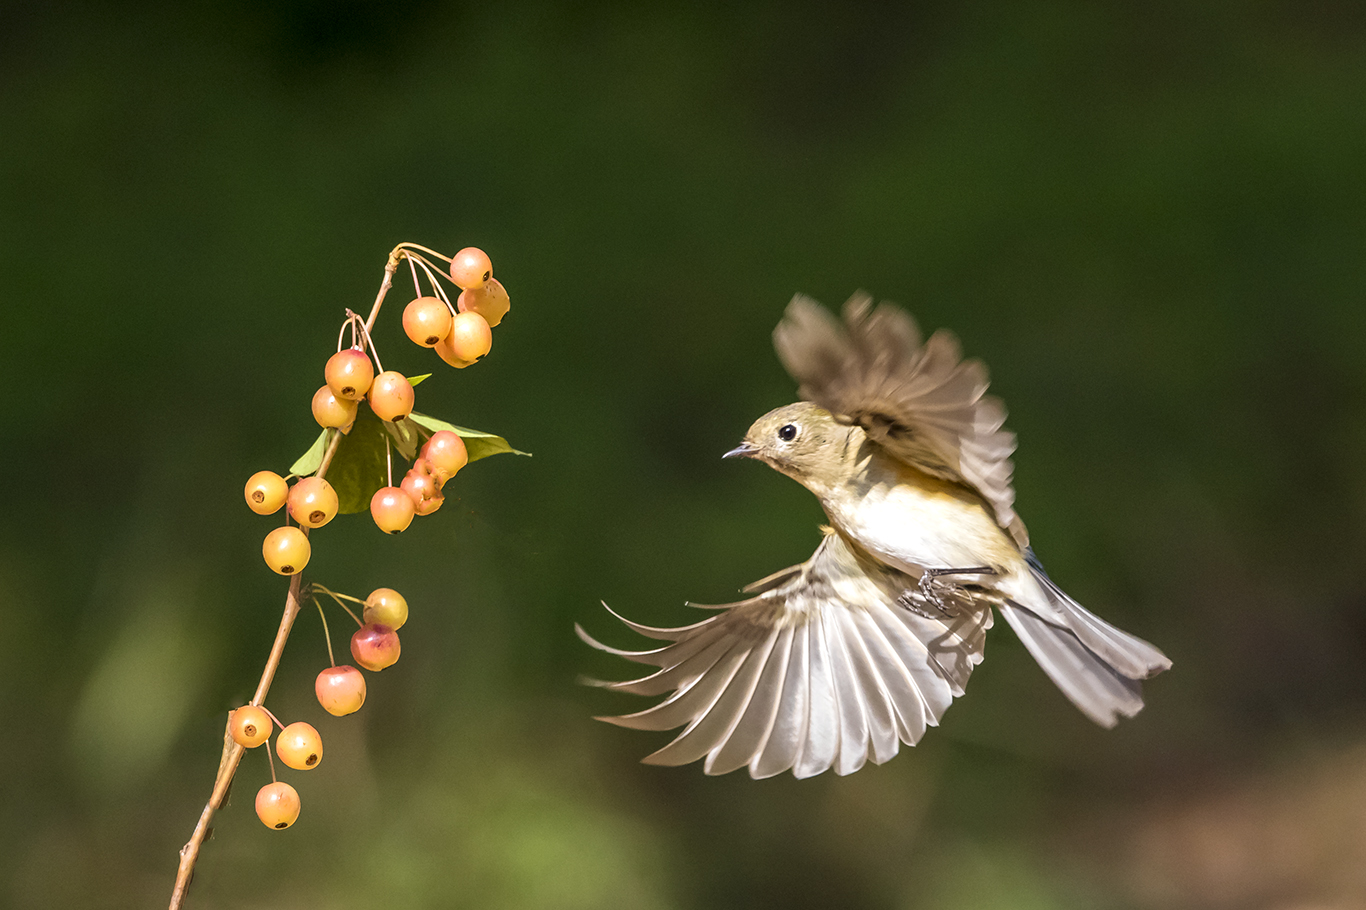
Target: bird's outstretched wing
x=830, y=663
x=923, y=402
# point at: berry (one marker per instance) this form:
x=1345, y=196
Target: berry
x=299, y=746
x=446, y=454
x=313, y=502
x=286, y=550
x=392, y=509
x=386, y=607
x=427, y=320
x=425, y=468
x=266, y=492
x=419, y=486
x=349, y=373
x=491, y=301
x=375, y=646
x=470, y=339
x=331, y=411
x=277, y=805
x=430, y=504
x=250, y=724
x=391, y=397
x=470, y=268
x=447, y=353
x=340, y=690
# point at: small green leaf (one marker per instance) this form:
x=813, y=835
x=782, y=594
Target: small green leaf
x=406, y=437
x=414, y=380
x=360, y=465
x=477, y=443
x=309, y=461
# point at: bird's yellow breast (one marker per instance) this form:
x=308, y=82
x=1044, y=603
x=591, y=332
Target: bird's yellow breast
x=915, y=521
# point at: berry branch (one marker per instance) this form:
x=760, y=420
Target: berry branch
x=349, y=445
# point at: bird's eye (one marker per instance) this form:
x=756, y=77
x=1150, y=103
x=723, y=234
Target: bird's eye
x=787, y=432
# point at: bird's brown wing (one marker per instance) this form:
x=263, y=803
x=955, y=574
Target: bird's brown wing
x=922, y=401
x=825, y=667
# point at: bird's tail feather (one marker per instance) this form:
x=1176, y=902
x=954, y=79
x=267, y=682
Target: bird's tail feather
x=1094, y=686
x=1096, y=665
x=1127, y=654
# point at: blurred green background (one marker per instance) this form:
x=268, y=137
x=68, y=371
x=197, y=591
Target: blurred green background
x=1149, y=220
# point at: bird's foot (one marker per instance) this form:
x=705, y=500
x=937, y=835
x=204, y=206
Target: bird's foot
x=929, y=595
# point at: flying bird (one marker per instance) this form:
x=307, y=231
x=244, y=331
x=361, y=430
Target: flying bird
x=837, y=661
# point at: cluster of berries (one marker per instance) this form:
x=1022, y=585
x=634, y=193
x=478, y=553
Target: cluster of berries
x=420, y=493
x=460, y=334
x=340, y=690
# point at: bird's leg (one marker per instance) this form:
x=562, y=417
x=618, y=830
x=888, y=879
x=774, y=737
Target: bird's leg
x=927, y=579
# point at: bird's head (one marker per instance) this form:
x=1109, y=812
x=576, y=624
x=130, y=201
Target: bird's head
x=801, y=440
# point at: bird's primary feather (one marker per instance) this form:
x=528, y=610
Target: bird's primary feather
x=827, y=667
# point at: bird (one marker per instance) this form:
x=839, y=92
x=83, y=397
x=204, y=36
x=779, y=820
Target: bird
x=838, y=660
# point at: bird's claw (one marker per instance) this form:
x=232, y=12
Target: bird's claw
x=928, y=594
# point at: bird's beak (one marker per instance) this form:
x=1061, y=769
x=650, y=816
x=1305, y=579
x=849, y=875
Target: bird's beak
x=743, y=450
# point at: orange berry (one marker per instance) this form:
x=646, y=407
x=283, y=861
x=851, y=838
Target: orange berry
x=299, y=746
x=446, y=454
x=392, y=509
x=331, y=411
x=470, y=339
x=425, y=467
x=444, y=351
x=349, y=373
x=391, y=397
x=277, y=805
x=266, y=492
x=313, y=502
x=250, y=725
x=419, y=486
x=427, y=320
x=491, y=301
x=471, y=267
x=340, y=690
x=387, y=607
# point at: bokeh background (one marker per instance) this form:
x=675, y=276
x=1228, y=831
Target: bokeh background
x=1149, y=219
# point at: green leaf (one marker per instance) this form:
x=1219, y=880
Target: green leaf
x=414, y=380
x=477, y=443
x=309, y=461
x=406, y=437
x=360, y=465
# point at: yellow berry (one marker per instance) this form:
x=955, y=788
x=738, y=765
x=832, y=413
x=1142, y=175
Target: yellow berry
x=313, y=502
x=277, y=805
x=427, y=320
x=491, y=301
x=471, y=267
x=286, y=550
x=266, y=492
x=250, y=725
x=331, y=411
x=349, y=373
x=391, y=396
x=299, y=746
x=387, y=607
